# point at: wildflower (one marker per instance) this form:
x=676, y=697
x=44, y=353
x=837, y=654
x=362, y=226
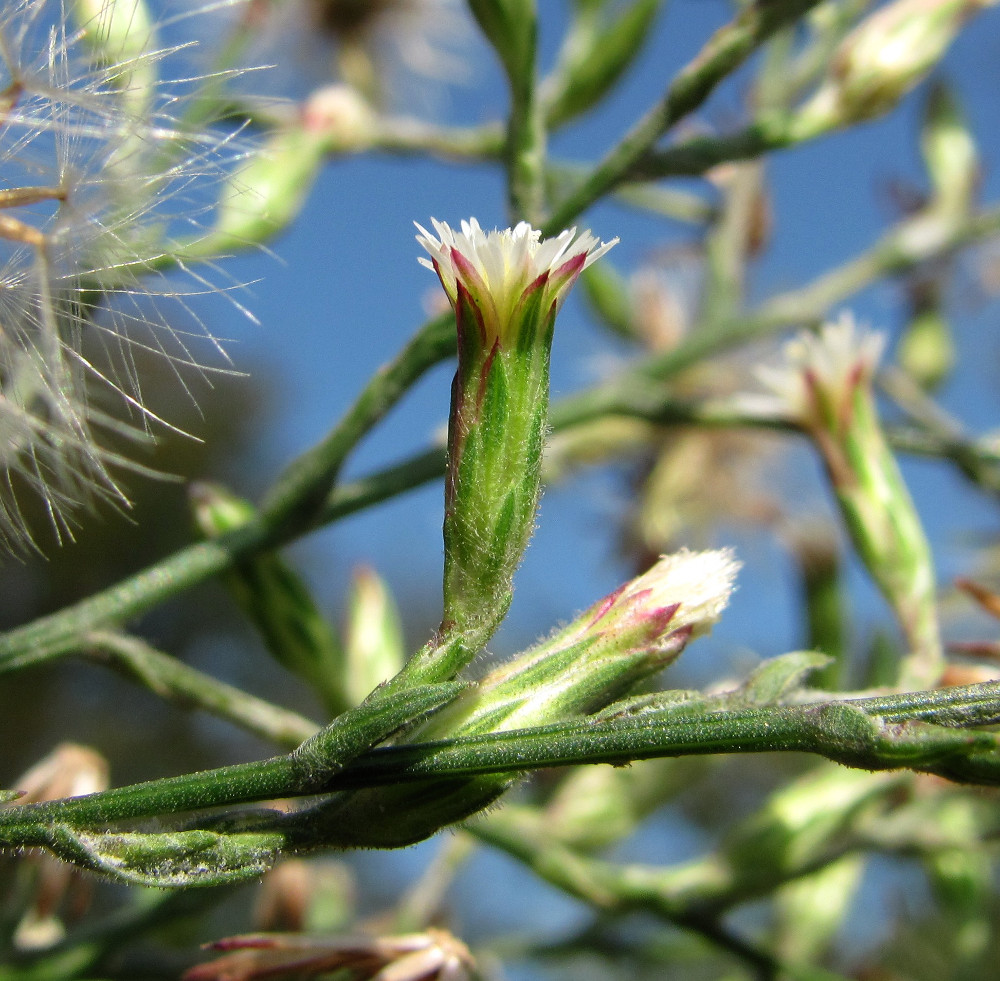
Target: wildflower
x=96, y=177
x=632, y=633
x=500, y=271
x=825, y=386
x=506, y=288
x=434, y=955
x=599, y=657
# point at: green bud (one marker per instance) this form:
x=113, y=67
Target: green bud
x=632, y=633
x=267, y=193
x=373, y=641
x=926, y=350
x=122, y=37
x=883, y=58
x=276, y=601
x=597, y=52
x=510, y=26
x=949, y=152
x=817, y=557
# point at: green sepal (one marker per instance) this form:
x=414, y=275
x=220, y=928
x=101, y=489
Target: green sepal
x=596, y=55
x=497, y=428
x=385, y=712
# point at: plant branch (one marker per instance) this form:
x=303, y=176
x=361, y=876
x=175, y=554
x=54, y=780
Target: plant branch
x=178, y=682
x=725, y=51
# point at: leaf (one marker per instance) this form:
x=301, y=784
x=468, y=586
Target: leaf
x=175, y=858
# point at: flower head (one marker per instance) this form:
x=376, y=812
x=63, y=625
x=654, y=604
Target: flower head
x=500, y=271
x=632, y=633
x=820, y=374
x=433, y=954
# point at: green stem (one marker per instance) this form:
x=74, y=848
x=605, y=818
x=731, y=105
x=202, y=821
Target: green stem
x=870, y=733
x=724, y=52
x=306, y=771
x=173, y=680
x=841, y=731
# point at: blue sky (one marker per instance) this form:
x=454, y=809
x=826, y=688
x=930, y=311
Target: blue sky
x=343, y=291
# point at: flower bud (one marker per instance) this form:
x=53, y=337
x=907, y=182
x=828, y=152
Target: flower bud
x=884, y=57
x=433, y=954
x=121, y=35
x=373, y=636
x=276, y=600
x=68, y=771
x=267, y=193
x=506, y=288
x=341, y=116
x=950, y=153
x=926, y=350
x=826, y=388
x=629, y=635
x=632, y=633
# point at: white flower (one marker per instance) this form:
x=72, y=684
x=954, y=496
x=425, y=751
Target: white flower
x=500, y=270
x=820, y=372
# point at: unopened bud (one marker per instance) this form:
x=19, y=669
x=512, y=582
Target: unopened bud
x=373, y=637
x=276, y=600
x=341, y=116
x=264, y=195
x=68, y=771
x=926, y=350
x=949, y=152
x=886, y=56
x=632, y=633
x=122, y=38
